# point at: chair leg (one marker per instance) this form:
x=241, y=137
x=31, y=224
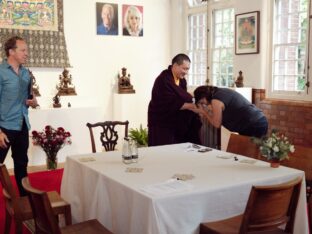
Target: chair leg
x=310, y=213
x=8, y=222
x=67, y=214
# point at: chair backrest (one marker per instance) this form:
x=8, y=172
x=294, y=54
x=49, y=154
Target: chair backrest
x=45, y=220
x=239, y=144
x=9, y=191
x=301, y=159
x=108, y=136
x=10, y=194
x=268, y=207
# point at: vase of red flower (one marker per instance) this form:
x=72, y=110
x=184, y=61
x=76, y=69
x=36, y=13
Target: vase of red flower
x=51, y=161
x=51, y=141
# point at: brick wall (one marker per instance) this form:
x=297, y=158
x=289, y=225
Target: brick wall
x=292, y=117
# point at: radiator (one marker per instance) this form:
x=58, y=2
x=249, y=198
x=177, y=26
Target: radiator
x=210, y=136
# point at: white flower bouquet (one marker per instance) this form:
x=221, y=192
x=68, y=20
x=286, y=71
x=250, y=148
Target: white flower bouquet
x=275, y=147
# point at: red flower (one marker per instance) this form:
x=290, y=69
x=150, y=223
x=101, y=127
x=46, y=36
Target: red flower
x=51, y=140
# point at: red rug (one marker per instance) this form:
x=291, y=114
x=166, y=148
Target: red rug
x=45, y=180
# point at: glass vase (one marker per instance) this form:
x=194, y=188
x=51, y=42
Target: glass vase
x=51, y=160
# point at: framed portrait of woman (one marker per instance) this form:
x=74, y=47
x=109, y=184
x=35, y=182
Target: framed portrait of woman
x=132, y=20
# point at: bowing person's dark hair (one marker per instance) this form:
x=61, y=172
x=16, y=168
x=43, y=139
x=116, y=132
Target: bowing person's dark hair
x=179, y=58
x=204, y=91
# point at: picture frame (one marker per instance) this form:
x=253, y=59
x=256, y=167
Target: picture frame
x=132, y=20
x=107, y=19
x=247, y=33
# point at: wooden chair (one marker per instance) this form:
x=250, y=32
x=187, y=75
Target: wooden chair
x=45, y=220
x=108, y=135
x=239, y=144
x=268, y=207
x=18, y=208
x=302, y=159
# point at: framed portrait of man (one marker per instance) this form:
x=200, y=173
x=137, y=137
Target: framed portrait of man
x=106, y=19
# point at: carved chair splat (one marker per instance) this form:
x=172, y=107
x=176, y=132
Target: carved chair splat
x=109, y=135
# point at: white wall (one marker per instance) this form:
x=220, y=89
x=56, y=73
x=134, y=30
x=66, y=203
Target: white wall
x=254, y=66
x=97, y=60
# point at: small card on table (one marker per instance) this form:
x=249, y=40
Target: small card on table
x=134, y=169
x=87, y=159
x=183, y=177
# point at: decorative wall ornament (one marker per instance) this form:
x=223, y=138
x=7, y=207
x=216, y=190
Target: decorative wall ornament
x=65, y=86
x=56, y=101
x=46, y=43
x=35, y=87
x=240, y=80
x=29, y=15
x=247, y=33
x=124, y=84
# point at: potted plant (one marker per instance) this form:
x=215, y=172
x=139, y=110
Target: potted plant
x=139, y=135
x=275, y=147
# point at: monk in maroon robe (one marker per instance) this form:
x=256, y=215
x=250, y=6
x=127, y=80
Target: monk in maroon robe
x=172, y=116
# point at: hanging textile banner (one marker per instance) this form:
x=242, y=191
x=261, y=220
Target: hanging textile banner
x=29, y=15
x=40, y=23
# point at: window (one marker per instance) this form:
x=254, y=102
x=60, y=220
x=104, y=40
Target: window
x=197, y=48
x=197, y=42
x=219, y=54
x=223, y=47
x=289, y=49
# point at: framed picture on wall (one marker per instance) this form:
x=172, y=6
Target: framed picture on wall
x=106, y=19
x=132, y=20
x=247, y=33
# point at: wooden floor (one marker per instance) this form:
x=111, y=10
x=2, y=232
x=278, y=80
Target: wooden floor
x=31, y=169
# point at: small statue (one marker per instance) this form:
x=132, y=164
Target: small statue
x=65, y=86
x=35, y=87
x=56, y=101
x=240, y=80
x=124, y=84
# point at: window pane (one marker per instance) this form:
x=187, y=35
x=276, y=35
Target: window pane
x=289, y=45
x=197, y=49
x=193, y=3
x=223, y=46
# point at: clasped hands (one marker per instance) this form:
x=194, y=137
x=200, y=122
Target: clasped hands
x=199, y=109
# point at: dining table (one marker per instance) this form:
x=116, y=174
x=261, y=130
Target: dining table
x=171, y=189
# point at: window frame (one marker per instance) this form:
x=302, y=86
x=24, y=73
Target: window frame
x=306, y=94
x=207, y=8
x=212, y=42
x=193, y=10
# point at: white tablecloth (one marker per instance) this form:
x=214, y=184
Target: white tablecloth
x=103, y=189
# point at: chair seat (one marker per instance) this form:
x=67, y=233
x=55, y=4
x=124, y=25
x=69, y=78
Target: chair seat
x=230, y=226
x=58, y=205
x=91, y=227
x=226, y=226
